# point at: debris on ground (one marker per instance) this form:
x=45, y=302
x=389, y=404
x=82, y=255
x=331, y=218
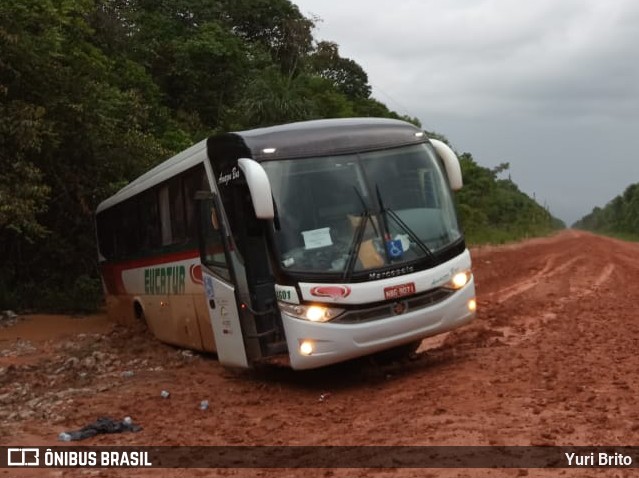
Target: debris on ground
x=324, y=396
x=101, y=425
x=8, y=318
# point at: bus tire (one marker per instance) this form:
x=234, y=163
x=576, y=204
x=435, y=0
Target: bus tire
x=397, y=354
x=138, y=313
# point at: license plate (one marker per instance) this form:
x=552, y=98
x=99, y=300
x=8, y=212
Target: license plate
x=401, y=290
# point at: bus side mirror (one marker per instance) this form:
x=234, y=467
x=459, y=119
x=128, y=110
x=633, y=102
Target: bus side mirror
x=259, y=187
x=451, y=163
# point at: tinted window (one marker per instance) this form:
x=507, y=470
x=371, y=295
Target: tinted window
x=162, y=216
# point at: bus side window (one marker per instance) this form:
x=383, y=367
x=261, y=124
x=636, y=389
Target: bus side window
x=127, y=237
x=105, y=222
x=149, y=220
x=195, y=180
x=177, y=208
x=213, y=248
x=165, y=215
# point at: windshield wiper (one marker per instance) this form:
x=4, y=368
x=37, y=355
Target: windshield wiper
x=386, y=210
x=386, y=237
x=353, y=250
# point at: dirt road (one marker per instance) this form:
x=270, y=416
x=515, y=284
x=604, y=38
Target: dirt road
x=550, y=360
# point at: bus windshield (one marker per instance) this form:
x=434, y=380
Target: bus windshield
x=352, y=213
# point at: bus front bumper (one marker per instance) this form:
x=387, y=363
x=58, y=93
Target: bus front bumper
x=335, y=342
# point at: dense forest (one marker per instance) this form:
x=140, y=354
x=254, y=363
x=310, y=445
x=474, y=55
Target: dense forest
x=620, y=217
x=494, y=210
x=94, y=92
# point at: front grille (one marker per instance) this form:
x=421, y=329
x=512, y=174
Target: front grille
x=384, y=310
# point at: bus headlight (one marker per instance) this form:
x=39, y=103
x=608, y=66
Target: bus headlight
x=312, y=313
x=459, y=280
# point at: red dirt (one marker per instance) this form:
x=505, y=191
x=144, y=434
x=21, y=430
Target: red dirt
x=550, y=360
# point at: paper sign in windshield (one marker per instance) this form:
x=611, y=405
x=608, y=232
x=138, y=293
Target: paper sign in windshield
x=317, y=238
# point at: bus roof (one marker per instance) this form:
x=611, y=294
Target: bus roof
x=294, y=140
x=327, y=137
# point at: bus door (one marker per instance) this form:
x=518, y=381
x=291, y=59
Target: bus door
x=243, y=206
x=220, y=286
x=239, y=285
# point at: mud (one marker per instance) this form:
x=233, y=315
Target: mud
x=550, y=360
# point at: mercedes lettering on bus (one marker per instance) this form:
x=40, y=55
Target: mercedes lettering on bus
x=312, y=242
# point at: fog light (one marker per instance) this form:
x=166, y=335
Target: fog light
x=306, y=347
x=472, y=305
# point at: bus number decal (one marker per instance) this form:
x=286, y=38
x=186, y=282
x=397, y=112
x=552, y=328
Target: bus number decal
x=286, y=294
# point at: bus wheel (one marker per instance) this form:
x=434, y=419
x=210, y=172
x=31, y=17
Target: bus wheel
x=138, y=313
x=398, y=354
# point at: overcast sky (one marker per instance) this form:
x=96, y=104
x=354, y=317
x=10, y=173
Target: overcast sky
x=551, y=86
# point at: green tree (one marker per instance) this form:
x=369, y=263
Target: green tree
x=620, y=216
x=271, y=98
x=72, y=134
x=495, y=210
x=95, y=92
x=345, y=74
x=276, y=25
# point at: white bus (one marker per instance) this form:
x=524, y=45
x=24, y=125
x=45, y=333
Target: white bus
x=317, y=242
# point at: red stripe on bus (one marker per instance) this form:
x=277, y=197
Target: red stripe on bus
x=159, y=259
x=112, y=279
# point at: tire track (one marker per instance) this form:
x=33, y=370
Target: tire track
x=548, y=271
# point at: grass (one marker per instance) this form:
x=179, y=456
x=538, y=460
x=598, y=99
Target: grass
x=489, y=235
x=624, y=236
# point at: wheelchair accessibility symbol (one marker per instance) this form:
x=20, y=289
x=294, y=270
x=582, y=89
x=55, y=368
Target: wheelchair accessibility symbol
x=395, y=249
